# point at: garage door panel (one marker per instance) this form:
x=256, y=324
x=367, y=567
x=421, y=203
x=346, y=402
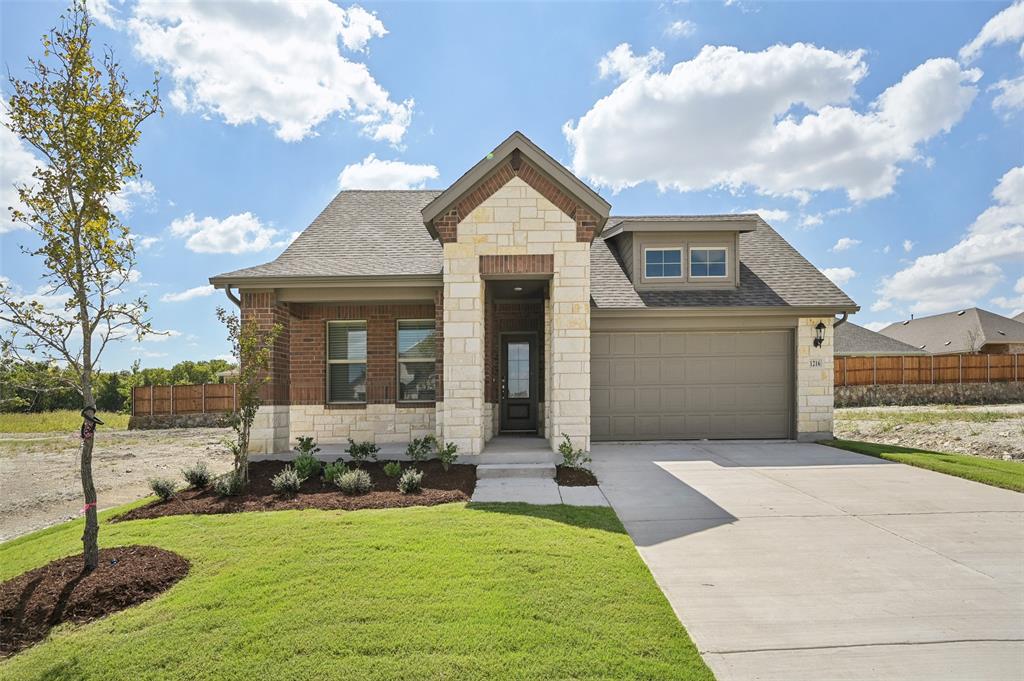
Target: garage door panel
x=692, y=384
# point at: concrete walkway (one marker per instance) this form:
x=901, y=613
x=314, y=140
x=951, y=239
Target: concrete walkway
x=796, y=561
x=536, y=491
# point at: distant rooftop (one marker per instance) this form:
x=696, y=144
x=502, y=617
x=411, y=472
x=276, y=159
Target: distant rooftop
x=966, y=330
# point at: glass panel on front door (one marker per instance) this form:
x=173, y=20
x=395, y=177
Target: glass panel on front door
x=518, y=371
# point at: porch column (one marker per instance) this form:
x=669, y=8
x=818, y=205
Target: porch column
x=464, y=404
x=570, y=346
x=271, y=429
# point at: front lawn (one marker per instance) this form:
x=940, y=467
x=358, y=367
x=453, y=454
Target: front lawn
x=499, y=591
x=63, y=420
x=995, y=472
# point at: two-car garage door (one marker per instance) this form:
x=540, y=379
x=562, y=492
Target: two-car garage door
x=680, y=385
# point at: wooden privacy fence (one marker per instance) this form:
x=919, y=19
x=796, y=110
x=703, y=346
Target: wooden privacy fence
x=208, y=398
x=927, y=369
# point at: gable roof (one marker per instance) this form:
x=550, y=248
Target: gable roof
x=851, y=339
x=959, y=331
x=772, y=274
x=572, y=185
x=1019, y=317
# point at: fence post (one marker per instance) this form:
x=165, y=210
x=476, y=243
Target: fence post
x=150, y=399
x=134, y=387
x=903, y=369
x=172, y=399
x=960, y=367
x=204, y=398
x=874, y=369
x=988, y=369
x=234, y=397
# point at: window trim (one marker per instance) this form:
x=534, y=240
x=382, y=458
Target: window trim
x=328, y=361
x=399, y=361
x=677, y=249
x=703, y=247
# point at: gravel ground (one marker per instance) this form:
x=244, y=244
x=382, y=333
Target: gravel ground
x=991, y=431
x=40, y=483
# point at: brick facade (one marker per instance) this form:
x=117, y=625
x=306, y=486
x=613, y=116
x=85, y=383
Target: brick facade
x=264, y=308
x=543, y=263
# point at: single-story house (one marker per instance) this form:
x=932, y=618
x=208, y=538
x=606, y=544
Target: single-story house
x=970, y=330
x=513, y=302
x=852, y=340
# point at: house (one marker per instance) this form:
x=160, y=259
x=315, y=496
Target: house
x=512, y=302
x=852, y=340
x=970, y=330
x=1019, y=317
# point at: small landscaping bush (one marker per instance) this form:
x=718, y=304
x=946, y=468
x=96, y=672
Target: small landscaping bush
x=447, y=454
x=392, y=469
x=287, y=482
x=572, y=457
x=410, y=482
x=229, y=485
x=331, y=471
x=162, y=487
x=420, y=448
x=355, y=481
x=361, y=451
x=197, y=476
x=306, y=463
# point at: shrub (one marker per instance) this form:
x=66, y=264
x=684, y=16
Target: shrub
x=392, y=469
x=228, y=485
x=306, y=445
x=420, y=448
x=306, y=465
x=331, y=471
x=197, y=476
x=361, y=451
x=447, y=454
x=410, y=482
x=162, y=487
x=571, y=457
x=287, y=482
x=355, y=481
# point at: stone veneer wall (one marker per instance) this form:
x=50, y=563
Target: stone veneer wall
x=516, y=220
x=379, y=423
x=942, y=393
x=814, y=380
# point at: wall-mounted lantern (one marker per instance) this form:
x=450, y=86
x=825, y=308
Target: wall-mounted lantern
x=819, y=334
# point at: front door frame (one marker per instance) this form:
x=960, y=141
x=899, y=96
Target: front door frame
x=506, y=424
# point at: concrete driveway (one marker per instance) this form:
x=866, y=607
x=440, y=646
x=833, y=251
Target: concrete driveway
x=797, y=561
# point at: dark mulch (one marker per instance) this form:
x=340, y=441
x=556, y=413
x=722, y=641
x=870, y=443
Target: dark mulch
x=574, y=477
x=33, y=603
x=439, y=487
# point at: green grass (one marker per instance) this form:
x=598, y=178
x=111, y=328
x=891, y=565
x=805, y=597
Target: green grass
x=930, y=416
x=65, y=420
x=501, y=591
x=995, y=472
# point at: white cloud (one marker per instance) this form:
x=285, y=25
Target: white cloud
x=886, y=249
x=729, y=118
x=880, y=305
x=241, y=233
x=104, y=13
x=681, y=28
x=844, y=244
x=1011, y=96
x=16, y=166
x=839, y=275
x=133, y=192
x=960, y=276
x=375, y=173
x=876, y=326
x=908, y=245
x=187, y=294
x=623, y=64
x=1005, y=27
x=810, y=221
x=161, y=336
x=144, y=243
x=1014, y=304
x=771, y=214
x=278, y=62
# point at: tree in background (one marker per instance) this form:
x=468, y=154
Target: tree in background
x=84, y=123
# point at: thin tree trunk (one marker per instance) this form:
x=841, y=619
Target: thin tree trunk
x=90, y=538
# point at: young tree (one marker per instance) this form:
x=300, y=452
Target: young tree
x=251, y=346
x=83, y=122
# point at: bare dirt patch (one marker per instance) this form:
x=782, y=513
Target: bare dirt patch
x=34, y=602
x=567, y=476
x=439, y=487
x=990, y=431
x=41, y=483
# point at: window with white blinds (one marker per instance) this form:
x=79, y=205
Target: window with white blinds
x=346, y=361
x=417, y=370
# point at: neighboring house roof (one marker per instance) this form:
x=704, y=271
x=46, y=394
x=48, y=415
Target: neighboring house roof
x=1019, y=317
x=960, y=331
x=851, y=339
x=772, y=274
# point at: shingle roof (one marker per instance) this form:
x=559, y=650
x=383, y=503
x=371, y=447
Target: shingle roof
x=772, y=274
x=959, y=331
x=360, y=233
x=851, y=339
x=1019, y=317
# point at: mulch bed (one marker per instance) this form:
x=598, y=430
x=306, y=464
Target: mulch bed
x=567, y=476
x=439, y=487
x=33, y=603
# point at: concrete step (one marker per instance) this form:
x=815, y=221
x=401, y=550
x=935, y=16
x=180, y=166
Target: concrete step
x=525, y=456
x=494, y=471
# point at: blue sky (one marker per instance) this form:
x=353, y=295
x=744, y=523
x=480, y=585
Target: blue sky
x=880, y=139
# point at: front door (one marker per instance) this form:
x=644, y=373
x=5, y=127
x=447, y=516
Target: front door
x=519, y=383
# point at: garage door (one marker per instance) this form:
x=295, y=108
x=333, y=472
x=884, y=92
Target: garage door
x=680, y=385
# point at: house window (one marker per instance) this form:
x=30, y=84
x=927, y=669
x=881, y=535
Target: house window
x=707, y=262
x=346, y=361
x=417, y=369
x=663, y=263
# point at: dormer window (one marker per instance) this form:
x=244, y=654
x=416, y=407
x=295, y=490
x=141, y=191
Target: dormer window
x=707, y=262
x=663, y=263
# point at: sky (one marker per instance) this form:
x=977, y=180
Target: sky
x=885, y=141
